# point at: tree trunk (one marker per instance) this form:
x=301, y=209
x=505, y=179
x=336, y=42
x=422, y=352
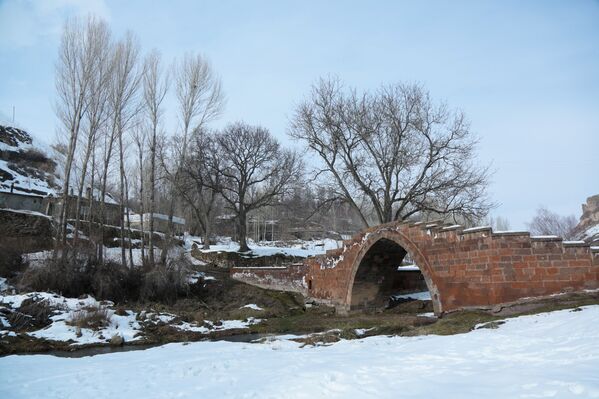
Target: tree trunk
x=122, y=206
x=103, y=195
x=170, y=233
x=91, y=200
x=88, y=151
x=152, y=195
x=65, y=192
x=141, y=208
x=206, y=243
x=128, y=224
x=243, y=245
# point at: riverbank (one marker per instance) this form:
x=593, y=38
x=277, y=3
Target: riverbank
x=551, y=354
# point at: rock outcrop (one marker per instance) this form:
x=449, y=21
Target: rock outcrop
x=25, y=165
x=588, y=227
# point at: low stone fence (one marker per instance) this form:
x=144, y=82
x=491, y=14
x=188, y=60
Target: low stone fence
x=281, y=278
x=229, y=260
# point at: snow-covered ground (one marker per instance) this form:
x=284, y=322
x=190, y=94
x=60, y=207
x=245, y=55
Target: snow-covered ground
x=547, y=355
x=301, y=249
x=591, y=232
x=114, y=254
x=61, y=329
x=15, y=179
x=128, y=325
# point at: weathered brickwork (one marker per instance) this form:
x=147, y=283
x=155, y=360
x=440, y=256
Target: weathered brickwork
x=464, y=268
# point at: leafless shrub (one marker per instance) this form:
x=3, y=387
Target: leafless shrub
x=93, y=317
x=11, y=262
x=31, y=314
x=65, y=276
x=165, y=283
x=114, y=281
x=110, y=281
x=76, y=277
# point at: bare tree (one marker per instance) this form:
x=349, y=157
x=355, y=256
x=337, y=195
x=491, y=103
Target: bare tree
x=200, y=100
x=199, y=96
x=125, y=83
x=546, y=222
x=393, y=154
x=96, y=116
x=155, y=87
x=140, y=140
x=255, y=170
x=499, y=223
x=75, y=71
x=201, y=178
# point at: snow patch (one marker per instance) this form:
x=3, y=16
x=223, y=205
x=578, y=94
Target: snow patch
x=300, y=248
x=252, y=306
x=419, y=296
x=405, y=268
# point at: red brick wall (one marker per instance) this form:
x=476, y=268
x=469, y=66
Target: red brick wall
x=464, y=268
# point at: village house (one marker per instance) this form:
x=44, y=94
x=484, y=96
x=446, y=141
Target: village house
x=52, y=206
x=21, y=201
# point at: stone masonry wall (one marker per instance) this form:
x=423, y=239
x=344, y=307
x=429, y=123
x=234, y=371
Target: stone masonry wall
x=282, y=278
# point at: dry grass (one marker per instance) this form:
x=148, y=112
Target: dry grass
x=32, y=314
x=93, y=318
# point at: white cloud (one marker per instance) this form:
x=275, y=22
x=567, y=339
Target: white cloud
x=24, y=23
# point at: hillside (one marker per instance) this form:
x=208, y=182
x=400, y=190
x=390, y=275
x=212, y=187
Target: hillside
x=24, y=164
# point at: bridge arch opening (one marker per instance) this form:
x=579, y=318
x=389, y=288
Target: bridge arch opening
x=386, y=274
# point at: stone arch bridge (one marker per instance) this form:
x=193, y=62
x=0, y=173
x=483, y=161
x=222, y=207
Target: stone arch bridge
x=461, y=268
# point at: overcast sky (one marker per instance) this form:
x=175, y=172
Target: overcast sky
x=525, y=73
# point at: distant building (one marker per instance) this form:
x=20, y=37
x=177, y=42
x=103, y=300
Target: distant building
x=112, y=211
x=52, y=206
x=21, y=201
x=226, y=225
x=160, y=222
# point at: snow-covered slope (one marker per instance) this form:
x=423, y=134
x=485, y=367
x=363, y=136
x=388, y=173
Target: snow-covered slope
x=547, y=355
x=25, y=164
x=588, y=226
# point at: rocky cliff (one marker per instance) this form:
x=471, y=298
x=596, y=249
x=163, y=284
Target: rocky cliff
x=588, y=227
x=25, y=166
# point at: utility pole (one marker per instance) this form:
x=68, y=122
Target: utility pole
x=13, y=114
